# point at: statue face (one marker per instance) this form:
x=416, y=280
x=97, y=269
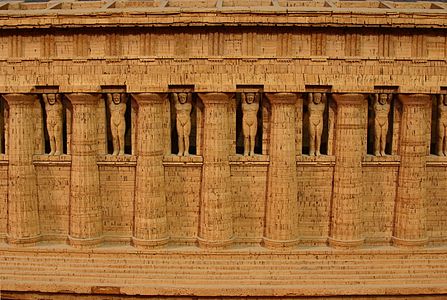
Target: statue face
x=382, y=99
x=52, y=98
x=317, y=98
x=116, y=98
x=182, y=98
x=250, y=98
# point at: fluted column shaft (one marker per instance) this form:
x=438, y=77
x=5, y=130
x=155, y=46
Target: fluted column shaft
x=410, y=211
x=23, y=207
x=85, y=203
x=216, y=224
x=281, y=216
x=346, y=222
x=150, y=226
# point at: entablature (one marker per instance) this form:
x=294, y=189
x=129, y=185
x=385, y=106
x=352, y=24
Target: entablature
x=165, y=13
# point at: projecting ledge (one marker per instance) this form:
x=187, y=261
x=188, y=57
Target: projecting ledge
x=256, y=159
x=119, y=160
x=175, y=160
x=46, y=159
x=437, y=161
x=4, y=159
x=378, y=161
x=310, y=160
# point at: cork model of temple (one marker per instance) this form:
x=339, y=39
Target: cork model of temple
x=223, y=148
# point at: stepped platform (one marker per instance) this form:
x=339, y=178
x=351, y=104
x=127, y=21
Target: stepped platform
x=122, y=272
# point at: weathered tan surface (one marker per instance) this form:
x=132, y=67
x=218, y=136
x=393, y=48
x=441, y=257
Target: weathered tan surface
x=223, y=148
x=193, y=272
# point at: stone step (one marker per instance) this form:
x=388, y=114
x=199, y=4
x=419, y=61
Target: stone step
x=439, y=271
x=188, y=268
x=162, y=273
x=180, y=280
x=196, y=261
x=216, y=261
x=239, y=254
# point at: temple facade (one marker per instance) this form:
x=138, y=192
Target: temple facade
x=283, y=131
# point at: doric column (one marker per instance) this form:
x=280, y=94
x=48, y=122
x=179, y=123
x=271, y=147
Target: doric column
x=150, y=226
x=281, y=216
x=346, y=222
x=23, y=208
x=410, y=216
x=85, y=202
x=216, y=224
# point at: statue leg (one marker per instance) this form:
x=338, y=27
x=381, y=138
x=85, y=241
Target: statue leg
x=58, y=140
x=377, y=134
x=383, y=138
x=186, y=133
x=121, y=139
x=312, y=131
x=115, y=140
x=246, y=133
x=180, y=133
x=52, y=142
x=319, y=129
x=440, y=145
x=445, y=140
x=253, y=130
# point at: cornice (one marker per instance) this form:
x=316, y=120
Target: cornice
x=75, y=14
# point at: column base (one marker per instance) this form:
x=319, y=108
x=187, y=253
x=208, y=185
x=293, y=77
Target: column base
x=214, y=244
x=407, y=243
x=25, y=242
x=345, y=244
x=149, y=244
x=84, y=243
x=279, y=244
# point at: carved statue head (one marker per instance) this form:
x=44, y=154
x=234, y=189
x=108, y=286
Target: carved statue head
x=52, y=98
x=182, y=98
x=317, y=98
x=116, y=98
x=383, y=99
x=250, y=98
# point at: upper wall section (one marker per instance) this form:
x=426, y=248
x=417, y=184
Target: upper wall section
x=327, y=13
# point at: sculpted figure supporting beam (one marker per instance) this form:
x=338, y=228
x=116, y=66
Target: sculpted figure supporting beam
x=442, y=126
x=53, y=108
x=117, y=107
x=381, y=111
x=183, y=107
x=316, y=109
x=250, y=107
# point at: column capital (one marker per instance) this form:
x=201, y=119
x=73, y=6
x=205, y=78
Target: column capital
x=82, y=98
x=348, y=99
x=215, y=98
x=20, y=98
x=282, y=98
x=414, y=99
x=147, y=98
